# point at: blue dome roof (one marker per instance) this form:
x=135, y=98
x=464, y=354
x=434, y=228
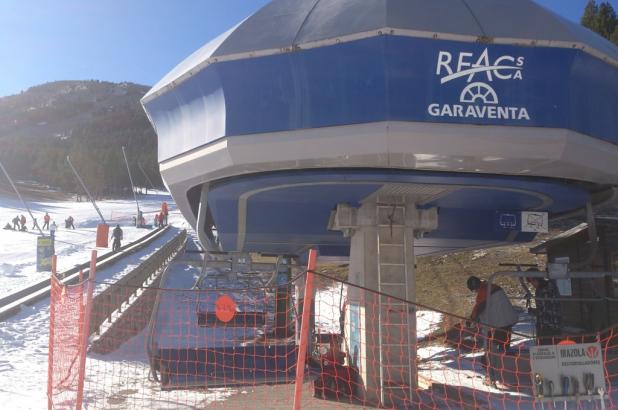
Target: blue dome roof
x=286, y=25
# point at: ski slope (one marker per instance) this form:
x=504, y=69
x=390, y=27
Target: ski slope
x=18, y=249
x=24, y=337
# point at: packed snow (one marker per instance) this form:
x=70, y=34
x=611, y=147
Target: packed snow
x=24, y=337
x=18, y=249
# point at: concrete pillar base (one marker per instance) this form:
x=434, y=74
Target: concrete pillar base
x=381, y=330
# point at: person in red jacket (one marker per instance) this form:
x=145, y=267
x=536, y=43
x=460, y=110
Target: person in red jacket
x=500, y=316
x=496, y=321
x=22, y=221
x=164, y=212
x=46, y=219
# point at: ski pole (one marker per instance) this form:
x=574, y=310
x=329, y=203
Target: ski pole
x=601, y=391
x=589, y=384
x=565, y=390
x=550, y=392
x=575, y=383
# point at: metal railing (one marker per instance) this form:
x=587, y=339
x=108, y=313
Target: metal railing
x=120, y=293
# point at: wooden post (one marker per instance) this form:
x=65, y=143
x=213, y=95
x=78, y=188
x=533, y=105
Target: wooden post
x=304, y=330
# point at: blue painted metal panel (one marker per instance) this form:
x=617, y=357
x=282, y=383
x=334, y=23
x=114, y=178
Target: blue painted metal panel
x=390, y=78
x=286, y=217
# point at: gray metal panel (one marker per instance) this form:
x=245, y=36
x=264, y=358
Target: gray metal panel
x=435, y=16
x=518, y=19
x=273, y=26
x=593, y=39
x=524, y=19
x=335, y=18
x=195, y=59
x=282, y=23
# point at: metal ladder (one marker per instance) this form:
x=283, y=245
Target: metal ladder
x=396, y=374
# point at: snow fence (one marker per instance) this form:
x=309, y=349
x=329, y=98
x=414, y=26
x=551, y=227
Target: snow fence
x=238, y=347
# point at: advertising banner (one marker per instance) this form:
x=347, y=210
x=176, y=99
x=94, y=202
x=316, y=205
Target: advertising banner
x=44, y=253
x=581, y=364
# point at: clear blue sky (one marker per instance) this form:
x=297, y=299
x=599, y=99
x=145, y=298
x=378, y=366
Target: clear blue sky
x=123, y=40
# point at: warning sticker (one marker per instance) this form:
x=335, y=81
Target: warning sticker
x=581, y=363
x=225, y=308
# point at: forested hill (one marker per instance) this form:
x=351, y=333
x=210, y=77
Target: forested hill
x=88, y=120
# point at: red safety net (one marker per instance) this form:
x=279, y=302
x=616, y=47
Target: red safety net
x=67, y=314
x=237, y=347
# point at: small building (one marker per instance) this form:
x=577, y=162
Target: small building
x=595, y=299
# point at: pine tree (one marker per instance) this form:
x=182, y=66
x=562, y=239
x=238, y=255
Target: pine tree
x=614, y=37
x=589, y=19
x=606, y=20
x=601, y=19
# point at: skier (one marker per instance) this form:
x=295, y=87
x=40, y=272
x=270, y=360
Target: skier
x=156, y=220
x=22, y=221
x=52, y=230
x=164, y=211
x=46, y=219
x=35, y=223
x=69, y=222
x=16, y=223
x=117, y=235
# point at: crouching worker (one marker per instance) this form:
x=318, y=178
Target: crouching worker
x=335, y=380
x=496, y=313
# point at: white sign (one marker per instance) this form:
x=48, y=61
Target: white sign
x=581, y=363
x=534, y=222
x=478, y=99
x=564, y=287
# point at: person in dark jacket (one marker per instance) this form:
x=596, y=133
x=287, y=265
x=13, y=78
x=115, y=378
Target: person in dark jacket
x=117, y=236
x=16, y=223
x=70, y=222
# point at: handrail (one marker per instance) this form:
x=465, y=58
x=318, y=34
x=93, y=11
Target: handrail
x=10, y=304
x=117, y=294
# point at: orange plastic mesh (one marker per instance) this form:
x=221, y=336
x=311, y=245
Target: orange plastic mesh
x=170, y=349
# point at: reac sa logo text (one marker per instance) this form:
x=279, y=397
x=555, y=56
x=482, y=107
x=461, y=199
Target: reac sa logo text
x=478, y=99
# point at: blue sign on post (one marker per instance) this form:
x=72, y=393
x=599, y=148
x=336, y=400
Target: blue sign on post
x=44, y=253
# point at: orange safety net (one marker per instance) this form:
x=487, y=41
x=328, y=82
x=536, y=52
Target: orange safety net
x=237, y=347
x=67, y=314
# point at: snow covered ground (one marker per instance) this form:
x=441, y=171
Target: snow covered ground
x=24, y=337
x=18, y=249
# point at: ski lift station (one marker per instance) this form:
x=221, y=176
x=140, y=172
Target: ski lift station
x=380, y=130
